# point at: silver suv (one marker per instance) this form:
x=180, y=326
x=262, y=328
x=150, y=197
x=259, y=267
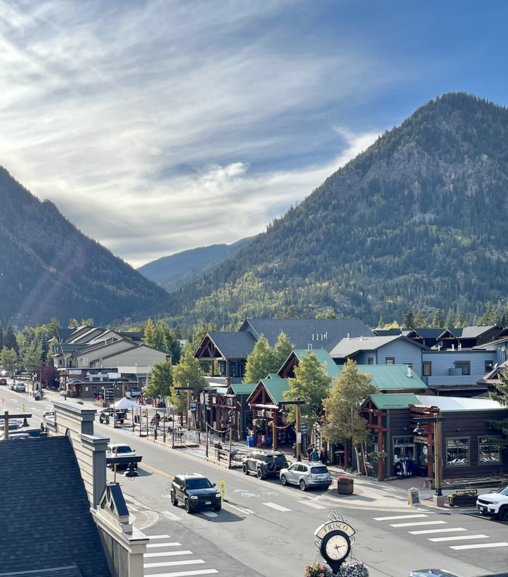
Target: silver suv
x=306, y=475
x=264, y=463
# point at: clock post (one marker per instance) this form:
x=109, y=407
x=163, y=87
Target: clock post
x=334, y=539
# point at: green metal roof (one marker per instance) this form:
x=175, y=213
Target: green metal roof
x=391, y=377
x=322, y=356
x=243, y=388
x=385, y=401
x=275, y=386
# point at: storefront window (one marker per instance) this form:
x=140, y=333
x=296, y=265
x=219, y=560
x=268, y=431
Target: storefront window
x=489, y=451
x=457, y=451
x=403, y=448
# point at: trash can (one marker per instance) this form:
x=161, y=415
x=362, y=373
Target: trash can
x=250, y=441
x=413, y=496
x=345, y=485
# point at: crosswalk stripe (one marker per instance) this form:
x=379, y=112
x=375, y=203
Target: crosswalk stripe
x=168, y=554
x=170, y=515
x=478, y=546
x=312, y=504
x=447, y=530
x=186, y=573
x=394, y=517
x=172, y=544
x=277, y=507
x=173, y=563
x=458, y=538
x=243, y=510
x=417, y=524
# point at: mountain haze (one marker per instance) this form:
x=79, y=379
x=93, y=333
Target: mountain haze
x=417, y=222
x=48, y=268
x=172, y=272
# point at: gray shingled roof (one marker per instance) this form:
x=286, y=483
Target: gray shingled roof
x=233, y=345
x=45, y=519
x=320, y=333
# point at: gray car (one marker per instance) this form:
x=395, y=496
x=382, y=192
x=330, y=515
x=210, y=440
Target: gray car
x=306, y=475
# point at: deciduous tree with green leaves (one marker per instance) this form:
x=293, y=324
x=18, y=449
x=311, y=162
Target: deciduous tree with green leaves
x=9, y=360
x=160, y=381
x=501, y=396
x=342, y=406
x=310, y=384
x=281, y=351
x=188, y=373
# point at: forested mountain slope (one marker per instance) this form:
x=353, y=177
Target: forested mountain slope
x=49, y=269
x=416, y=222
x=172, y=272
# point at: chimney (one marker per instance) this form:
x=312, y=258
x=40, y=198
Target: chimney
x=409, y=372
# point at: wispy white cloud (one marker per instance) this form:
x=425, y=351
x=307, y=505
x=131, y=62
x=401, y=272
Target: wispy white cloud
x=162, y=125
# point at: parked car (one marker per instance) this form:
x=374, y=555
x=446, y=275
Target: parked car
x=19, y=388
x=264, y=463
x=120, y=450
x=431, y=573
x=494, y=504
x=3, y=381
x=306, y=475
x=106, y=414
x=195, y=492
x=134, y=394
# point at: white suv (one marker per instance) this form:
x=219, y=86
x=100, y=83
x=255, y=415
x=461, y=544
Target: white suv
x=494, y=504
x=120, y=450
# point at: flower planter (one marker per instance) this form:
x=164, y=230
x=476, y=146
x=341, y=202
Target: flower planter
x=463, y=499
x=345, y=486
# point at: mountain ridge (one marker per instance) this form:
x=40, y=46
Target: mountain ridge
x=401, y=226
x=49, y=269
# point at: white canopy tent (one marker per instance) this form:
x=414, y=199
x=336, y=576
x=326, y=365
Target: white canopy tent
x=125, y=403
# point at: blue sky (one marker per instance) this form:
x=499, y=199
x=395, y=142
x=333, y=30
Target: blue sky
x=160, y=126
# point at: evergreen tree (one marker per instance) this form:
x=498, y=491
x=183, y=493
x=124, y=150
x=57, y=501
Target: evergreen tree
x=420, y=321
x=310, y=384
x=150, y=334
x=1, y=336
x=409, y=321
x=281, y=351
x=10, y=340
x=438, y=319
x=501, y=396
x=260, y=361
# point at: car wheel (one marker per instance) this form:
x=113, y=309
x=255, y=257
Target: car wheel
x=302, y=485
x=283, y=480
x=260, y=473
x=503, y=513
x=217, y=508
x=245, y=469
x=188, y=506
x=174, y=500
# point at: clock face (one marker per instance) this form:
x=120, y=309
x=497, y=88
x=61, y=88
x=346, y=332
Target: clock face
x=335, y=546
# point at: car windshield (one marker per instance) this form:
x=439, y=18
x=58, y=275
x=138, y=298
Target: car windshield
x=318, y=470
x=124, y=449
x=198, y=484
x=504, y=491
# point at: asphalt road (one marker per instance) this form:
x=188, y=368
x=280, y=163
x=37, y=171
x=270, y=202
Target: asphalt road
x=266, y=529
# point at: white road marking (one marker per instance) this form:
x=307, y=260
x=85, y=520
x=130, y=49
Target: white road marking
x=241, y=509
x=158, y=537
x=478, y=546
x=173, y=563
x=459, y=537
x=277, y=507
x=168, y=554
x=170, y=515
x=312, y=504
x=418, y=523
x=426, y=531
x=393, y=517
x=172, y=544
x=186, y=573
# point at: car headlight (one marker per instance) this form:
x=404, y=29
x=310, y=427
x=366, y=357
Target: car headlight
x=193, y=497
x=217, y=495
